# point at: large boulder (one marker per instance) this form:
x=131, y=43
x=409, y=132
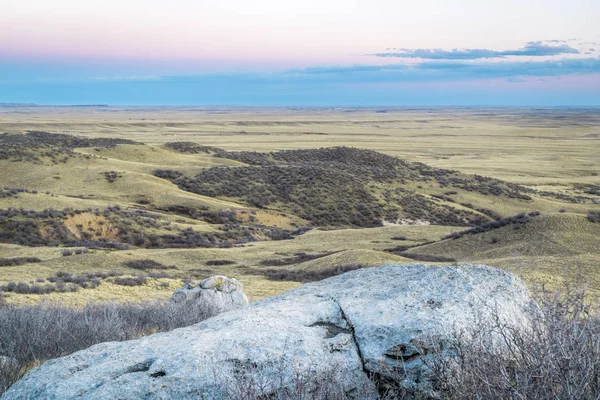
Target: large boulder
x=380, y=323
x=217, y=293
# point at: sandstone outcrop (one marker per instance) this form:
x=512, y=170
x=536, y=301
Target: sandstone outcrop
x=382, y=322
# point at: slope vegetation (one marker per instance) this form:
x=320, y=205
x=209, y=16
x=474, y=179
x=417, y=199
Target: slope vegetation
x=343, y=186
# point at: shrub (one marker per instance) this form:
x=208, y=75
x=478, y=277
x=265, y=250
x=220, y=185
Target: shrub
x=26, y=335
x=427, y=257
x=296, y=259
x=167, y=174
x=61, y=282
x=130, y=280
x=593, y=216
x=191, y=148
x=219, y=262
x=516, y=221
x=112, y=176
x=297, y=275
x=147, y=264
x=8, y=262
x=557, y=359
x=399, y=238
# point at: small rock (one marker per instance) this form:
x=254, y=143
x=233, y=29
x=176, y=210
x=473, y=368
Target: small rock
x=217, y=293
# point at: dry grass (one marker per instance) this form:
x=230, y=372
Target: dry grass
x=545, y=150
x=525, y=146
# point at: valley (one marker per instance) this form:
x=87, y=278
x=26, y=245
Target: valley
x=105, y=203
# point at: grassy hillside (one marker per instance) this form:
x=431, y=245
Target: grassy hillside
x=93, y=217
x=355, y=187
x=547, y=249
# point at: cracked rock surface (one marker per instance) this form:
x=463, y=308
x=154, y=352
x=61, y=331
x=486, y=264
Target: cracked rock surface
x=375, y=321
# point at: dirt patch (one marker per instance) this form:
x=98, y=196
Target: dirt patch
x=89, y=226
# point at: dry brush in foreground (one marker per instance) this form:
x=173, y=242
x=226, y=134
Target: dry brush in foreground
x=558, y=359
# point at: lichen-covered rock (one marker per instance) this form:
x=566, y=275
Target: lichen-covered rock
x=217, y=293
x=381, y=321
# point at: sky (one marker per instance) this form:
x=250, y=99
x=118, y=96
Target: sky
x=294, y=53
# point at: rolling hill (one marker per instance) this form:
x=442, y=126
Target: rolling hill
x=88, y=206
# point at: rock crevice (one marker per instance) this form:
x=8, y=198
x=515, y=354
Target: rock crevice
x=352, y=334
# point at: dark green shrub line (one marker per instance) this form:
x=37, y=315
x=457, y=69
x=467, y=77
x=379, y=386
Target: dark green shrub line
x=192, y=148
x=14, y=192
x=592, y=189
x=219, y=262
x=516, y=221
x=21, y=226
x=402, y=238
x=36, y=146
x=64, y=282
x=297, y=275
x=9, y=262
x=168, y=174
x=147, y=264
x=130, y=280
x=296, y=259
x=426, y=257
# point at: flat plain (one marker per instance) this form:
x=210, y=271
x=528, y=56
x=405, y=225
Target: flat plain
x=251, y=193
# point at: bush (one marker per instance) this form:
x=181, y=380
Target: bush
x=9, y=262
x=191, y=148
x=516, y=221
x=26, y=335
x=426, y=257
x=296, y=275
x=593, y=216
x=557, y=359
x=62, y=282
x=399, y=238
x=167, y=174
x=130, y=280
x=296, y=259
x=219, y=262
x=147, y=264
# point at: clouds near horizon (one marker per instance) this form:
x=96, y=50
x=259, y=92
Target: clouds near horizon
x=531, y=49
x=269, y=52
x=447, y=82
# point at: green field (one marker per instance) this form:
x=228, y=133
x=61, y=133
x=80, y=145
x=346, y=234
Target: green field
x=404, y=180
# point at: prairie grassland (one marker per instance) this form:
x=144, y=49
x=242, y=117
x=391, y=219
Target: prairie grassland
x=549, y=150
x=528, y=146
x=350, y=246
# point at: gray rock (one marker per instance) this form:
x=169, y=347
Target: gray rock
x=217, y=293
x=383, y=321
